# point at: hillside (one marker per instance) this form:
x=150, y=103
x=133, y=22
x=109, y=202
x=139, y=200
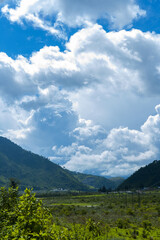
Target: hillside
x=148, y=176
x=117, y=180
x=97, y=181
x=33, y=170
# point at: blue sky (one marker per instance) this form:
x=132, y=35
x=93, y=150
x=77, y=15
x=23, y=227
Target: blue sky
x=80, y=82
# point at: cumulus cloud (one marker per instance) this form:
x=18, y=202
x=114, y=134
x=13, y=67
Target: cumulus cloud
x=34, y=113
x=15, y=81
x=124, y=60
x=70, y=150
x=101, y=77
x=73, y=13
x=87, y=129
x=50, y=97
x=120, y=59
x=15, y=122
x=128, y=59
x=122, y=152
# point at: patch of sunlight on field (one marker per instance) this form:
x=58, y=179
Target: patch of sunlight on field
x=88, y=196
x=74, y=204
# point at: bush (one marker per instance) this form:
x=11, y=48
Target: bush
x=122, y=223
x=22, y=217
x=130, y=212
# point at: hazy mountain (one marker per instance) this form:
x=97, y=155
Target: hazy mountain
x=117, y=180
x=97, y=181
x=148, y=176
x=33, y=170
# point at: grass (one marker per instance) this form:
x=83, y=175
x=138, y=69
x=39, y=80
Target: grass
x=89, y=196
x=106, y=208
x=116, y=216
x=73, y=204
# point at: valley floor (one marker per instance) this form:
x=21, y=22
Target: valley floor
x=114, y=215
x=79, y=216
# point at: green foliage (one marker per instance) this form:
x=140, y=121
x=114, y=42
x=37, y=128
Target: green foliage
x=158, y=210
x=8, y=203
x=146, y=224
x=103, y=189
x=93, y=227
x=130, y=212
x=25, y=217
x=13, y=183
x=122, y=223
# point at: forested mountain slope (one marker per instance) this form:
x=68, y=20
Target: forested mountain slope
x=98, y=181
x=32, y=170
x=148, y=176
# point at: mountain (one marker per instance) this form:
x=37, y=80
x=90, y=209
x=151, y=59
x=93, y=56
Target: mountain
x=117, y=180
x=32, y=170
x=148, y=176
x=97, y=181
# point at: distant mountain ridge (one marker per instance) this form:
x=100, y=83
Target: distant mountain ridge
x=97, y=182
x=148, y=176
x=32, y=170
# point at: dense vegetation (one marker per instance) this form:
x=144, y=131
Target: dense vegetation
x=115, y=216
x=148, y=176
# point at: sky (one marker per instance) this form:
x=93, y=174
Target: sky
x=80, y=82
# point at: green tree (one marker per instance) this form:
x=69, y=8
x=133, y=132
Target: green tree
x=23, y=217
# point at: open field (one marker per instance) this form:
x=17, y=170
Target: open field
x=79, y=216
x=133, y=214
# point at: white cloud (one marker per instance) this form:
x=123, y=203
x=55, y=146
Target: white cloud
x=124, y=59
x=74, y=13
x=120, y=13
x=15, y=122
x=87, y=129
x=122, y=152
x=48, y=99
x=15, y=81
x=70, y=150
x=116, y=62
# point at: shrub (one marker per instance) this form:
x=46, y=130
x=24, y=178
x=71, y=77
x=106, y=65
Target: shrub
x=122, y=223
x=130, y=212
x=22, y=217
